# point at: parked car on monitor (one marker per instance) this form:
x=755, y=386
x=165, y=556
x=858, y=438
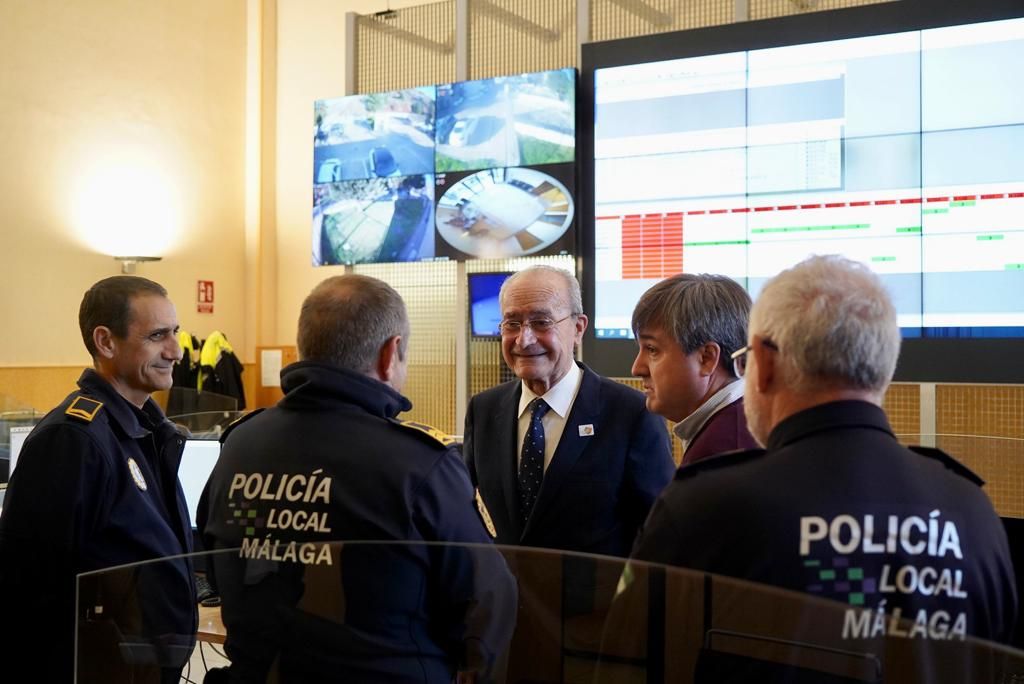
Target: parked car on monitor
x=382, y=162
x=330, y=171
x=460, y=133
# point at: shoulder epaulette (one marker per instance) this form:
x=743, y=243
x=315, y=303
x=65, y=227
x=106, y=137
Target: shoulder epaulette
x=238, y=421
x=433, y=433
x=948, y=461
x=723, y=460
x=83, y=408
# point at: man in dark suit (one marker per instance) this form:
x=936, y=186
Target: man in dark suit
x=562, y=457
x=687, y=326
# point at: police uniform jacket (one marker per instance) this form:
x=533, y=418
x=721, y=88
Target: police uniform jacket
x=330, y=462
x=836, y=507
x=96, y=486
x=725, y=431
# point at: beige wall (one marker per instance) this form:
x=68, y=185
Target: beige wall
x=180, y=127
x=310, y=66
x=118, y=114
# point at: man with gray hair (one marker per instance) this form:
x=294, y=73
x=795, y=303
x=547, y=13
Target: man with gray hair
x=563, y=458
x=331, y=462
x=834, y=505
x=686, y=327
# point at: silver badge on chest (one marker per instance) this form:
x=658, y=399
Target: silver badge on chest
x=136, y=472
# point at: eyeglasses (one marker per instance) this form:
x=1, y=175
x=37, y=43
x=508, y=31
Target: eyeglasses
x=739, y=357
x=539, y=326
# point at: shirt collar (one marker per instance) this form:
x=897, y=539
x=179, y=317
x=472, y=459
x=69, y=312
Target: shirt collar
x=835, y=415
x=314, y=385
x=132, y=420
x=559, y=397
x=688, y=427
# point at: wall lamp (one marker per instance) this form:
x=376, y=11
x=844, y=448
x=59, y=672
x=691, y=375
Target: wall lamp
x=128, y=262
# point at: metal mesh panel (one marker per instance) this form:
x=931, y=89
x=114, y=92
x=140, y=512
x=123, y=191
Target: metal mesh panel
x=518, y=36
x=409, y=47
x=677, y=446
x=429, y=293
x=612, y=19
x=902, y=404
x=766, y=9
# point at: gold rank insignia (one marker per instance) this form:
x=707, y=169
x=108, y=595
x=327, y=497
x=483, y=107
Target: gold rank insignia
x=136, y=472
x=485, y=516
x=84, y=408
x=433, y=432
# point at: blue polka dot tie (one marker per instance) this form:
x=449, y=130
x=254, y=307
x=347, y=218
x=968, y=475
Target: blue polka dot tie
x=531, y=465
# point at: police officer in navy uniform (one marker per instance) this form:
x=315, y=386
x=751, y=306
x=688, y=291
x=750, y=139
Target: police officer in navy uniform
x=332, y=462
x=834, y=506
x=96, y=486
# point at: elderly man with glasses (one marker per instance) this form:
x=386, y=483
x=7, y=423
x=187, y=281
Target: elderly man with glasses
x=563, y=458
x=834, y=505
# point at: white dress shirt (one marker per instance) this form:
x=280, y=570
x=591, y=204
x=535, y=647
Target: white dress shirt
x=560, y=398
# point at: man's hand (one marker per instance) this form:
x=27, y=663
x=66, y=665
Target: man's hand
x=465, y=677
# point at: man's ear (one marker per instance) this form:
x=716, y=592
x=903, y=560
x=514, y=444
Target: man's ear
x=103, y=340
x=764, y=364
x=388, y=359
x=581, y=326
x=710, y=353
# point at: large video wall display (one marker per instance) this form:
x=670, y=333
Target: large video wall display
x=475, y=169
x=902, y=148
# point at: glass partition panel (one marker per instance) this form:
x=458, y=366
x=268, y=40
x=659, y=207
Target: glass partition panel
x=17, y=416
x=966, y=446
x=393, y=612
x=999, y=461
x=181, y=400
x=207, y=424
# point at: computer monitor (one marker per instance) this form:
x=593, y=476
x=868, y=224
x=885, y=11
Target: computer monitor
x=18, y=435
x=742, y=149
x=197, y=463
x=484, y=308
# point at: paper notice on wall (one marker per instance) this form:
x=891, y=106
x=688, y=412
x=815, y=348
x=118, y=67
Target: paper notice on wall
x=270, y=361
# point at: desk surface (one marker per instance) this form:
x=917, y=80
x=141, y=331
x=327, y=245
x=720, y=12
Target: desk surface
x=211, y=628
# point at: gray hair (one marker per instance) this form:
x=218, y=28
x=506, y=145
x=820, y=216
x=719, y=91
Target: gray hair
x=572, y=285
x=346, y=320
x=697, y=309
x=833, y=322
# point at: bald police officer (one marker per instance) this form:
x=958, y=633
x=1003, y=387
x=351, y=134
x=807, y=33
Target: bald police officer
x=332, y=462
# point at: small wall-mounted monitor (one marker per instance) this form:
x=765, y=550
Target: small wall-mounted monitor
x=378, y=135
x=520, y=120
x=484, y=308
x=197, y=462
x=505, y=213
x=381, y=159
x=373, y=220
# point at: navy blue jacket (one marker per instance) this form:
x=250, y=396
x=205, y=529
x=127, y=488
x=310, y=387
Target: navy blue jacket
x=837, y=508
x=601, y=481
x=332, y=455
x=96, y=486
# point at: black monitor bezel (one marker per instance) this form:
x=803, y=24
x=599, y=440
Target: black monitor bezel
x=966, y=360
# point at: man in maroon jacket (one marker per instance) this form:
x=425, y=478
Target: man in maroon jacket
x=687, y=326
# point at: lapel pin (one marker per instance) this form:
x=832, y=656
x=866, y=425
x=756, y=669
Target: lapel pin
x=586, y=430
